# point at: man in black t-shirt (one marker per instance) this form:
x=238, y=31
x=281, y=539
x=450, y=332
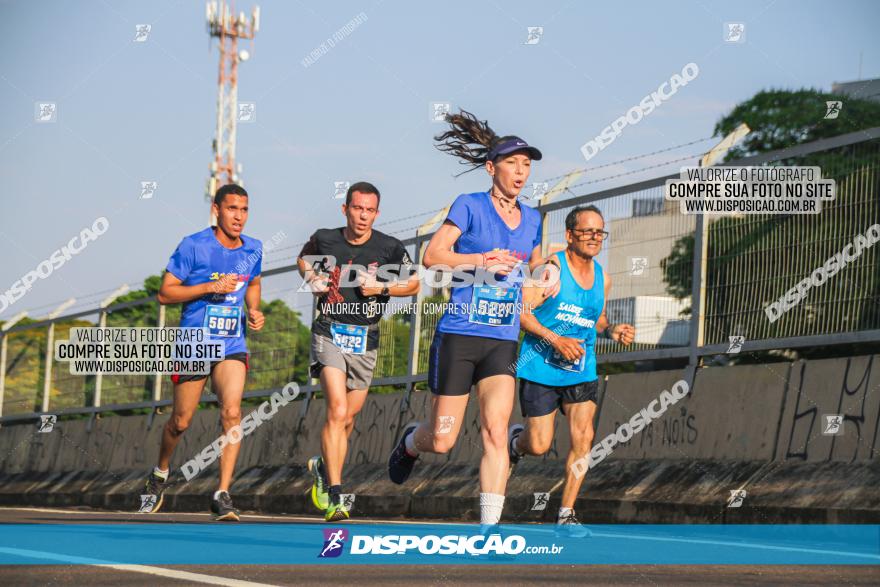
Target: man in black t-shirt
x=353, y=271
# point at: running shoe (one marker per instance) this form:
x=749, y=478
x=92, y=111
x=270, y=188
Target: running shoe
x=400, y=464
x=223, y=509
x=154, y=489
x=512, y=434
x=569, y=525
x=320, y=497
x=336, y=512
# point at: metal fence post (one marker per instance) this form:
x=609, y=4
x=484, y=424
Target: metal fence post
x=47, y=371
x=701, y=253
x=698, y=291
x=554, y=192
x=415, y=332
x=312, y=381
x=50, y=352
x=3, y=337
x=102, y=323
x=3, y=342
x=157, y=382
x=96, y=400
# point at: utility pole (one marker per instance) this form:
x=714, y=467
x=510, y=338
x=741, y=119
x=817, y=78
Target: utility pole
x=228, y=27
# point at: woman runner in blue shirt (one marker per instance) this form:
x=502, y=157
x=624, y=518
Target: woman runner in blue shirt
x=476, y=339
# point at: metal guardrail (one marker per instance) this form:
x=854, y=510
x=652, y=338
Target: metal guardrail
x=703, y=304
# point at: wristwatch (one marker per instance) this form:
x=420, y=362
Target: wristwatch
x=385, y=291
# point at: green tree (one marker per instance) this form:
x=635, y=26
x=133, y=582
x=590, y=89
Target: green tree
x=783, y=118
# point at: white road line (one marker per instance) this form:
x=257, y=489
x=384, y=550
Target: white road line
x=105, y=512
x=314, y=520
x=187, y=576
x=149, y=570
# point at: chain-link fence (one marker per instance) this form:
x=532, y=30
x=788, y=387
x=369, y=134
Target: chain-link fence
x=686, y=282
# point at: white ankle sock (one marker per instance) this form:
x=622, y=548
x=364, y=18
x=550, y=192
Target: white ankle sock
x=410, y=444
x=163, y=473
x=563, y=512
x=491, y=505
x=218, y=492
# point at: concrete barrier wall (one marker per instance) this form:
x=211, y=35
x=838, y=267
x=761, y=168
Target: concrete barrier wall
x=745, y=413
x=846, y=387
x=731, y=413
x=753, y=427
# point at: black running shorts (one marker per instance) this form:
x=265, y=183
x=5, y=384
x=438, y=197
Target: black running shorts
x=178, y=378
x=537, y=400
x=457, y=362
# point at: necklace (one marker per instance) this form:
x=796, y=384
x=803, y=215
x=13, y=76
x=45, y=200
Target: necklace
x=502, y=205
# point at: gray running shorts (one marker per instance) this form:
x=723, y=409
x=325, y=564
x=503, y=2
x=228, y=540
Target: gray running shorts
x=358, y=369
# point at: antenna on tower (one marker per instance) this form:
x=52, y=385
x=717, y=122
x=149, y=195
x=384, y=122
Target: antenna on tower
x=228, y=27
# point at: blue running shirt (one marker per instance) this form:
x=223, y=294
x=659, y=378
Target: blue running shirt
x=200, y=258
x=491, y=312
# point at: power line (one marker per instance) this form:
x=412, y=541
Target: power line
x=642, y=156
x=635, y=171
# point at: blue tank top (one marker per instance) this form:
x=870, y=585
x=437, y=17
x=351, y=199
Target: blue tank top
x=573, y=314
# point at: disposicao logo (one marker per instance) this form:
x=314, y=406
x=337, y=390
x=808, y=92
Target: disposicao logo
x=334, y=541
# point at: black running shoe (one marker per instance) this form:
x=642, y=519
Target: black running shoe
x=222, y=508
x=152, y=497
x=512, y=434
x=400, y=464
x=568, y=525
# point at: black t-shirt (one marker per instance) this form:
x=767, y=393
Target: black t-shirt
x=345, y=304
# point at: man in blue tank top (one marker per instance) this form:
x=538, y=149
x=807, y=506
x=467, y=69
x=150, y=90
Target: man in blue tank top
x=557, y=358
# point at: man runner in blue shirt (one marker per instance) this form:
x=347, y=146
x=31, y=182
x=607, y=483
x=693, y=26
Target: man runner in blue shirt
x=213, y=273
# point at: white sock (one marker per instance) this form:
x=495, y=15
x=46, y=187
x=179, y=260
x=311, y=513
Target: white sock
x=161, y=473
x=410, y=444
x=218, y=492
x=563, y=512
x=490, y=508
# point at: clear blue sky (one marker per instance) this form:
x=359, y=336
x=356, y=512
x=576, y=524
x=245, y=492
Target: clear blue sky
x=129, y=112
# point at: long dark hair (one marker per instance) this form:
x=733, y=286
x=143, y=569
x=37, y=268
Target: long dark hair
x=468, y=139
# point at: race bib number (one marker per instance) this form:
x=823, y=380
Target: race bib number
x=561, y=362
x=350, y=339
x=493, y=306
x=223, y=321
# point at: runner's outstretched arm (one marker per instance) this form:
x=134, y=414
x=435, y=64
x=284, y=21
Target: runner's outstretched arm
x=172, y=290
x=371, y=287
x=439, y=252
x=252, y=299
x=533, y=296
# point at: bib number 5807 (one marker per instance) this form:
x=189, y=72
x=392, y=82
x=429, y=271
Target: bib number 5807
x=222, y=323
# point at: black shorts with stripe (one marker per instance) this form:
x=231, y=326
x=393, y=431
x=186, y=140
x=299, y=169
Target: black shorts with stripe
x=457, y=361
